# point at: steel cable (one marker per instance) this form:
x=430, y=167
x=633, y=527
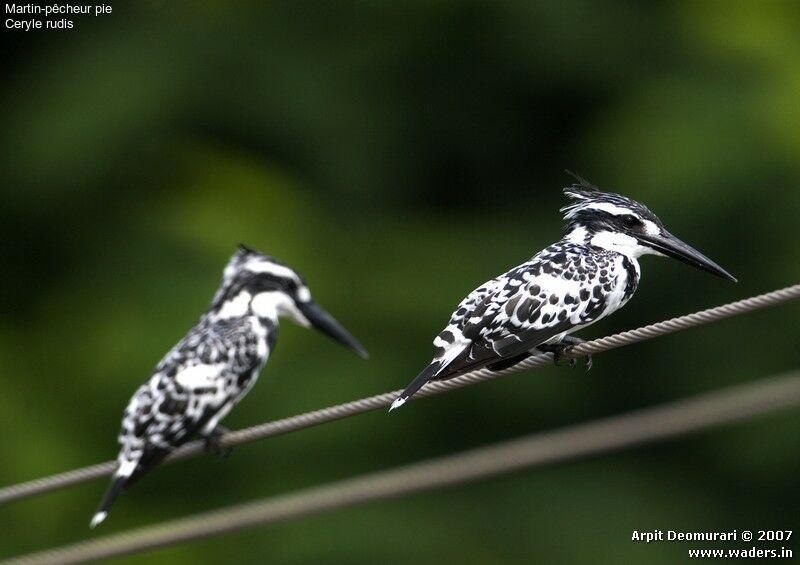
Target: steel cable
x=316, y=417
x=573, y=442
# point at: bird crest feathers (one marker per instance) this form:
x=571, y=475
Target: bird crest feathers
x=580, y=193
x=581, y=189
x=585, y=196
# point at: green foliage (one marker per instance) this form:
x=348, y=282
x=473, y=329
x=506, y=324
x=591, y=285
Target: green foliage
x=397, y=154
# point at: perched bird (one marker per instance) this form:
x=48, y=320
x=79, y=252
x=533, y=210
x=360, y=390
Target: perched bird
x=215, y=365
x=587, y=275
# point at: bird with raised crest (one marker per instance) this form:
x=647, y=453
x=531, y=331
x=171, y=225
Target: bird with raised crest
x=533, y=308
x=215, y=365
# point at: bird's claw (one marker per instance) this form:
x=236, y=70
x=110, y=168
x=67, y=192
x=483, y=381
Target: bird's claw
x=563, y=350
x=559, y=353
x=213, y=443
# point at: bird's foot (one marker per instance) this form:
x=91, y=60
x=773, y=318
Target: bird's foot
x=213, y=443
x=563, y=349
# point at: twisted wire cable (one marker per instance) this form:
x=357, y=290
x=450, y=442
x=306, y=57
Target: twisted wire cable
x=577, y=441
x=329, y=414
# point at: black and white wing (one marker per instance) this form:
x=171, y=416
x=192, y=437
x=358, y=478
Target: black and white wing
x=560, y=290
x=191, y=389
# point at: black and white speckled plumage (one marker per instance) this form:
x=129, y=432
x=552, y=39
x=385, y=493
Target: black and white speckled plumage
x=215, y=365
x=195, y=385
x=590, y=273
x=562, y=288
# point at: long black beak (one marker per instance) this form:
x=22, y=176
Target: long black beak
x=326, y=323
x=671, y=246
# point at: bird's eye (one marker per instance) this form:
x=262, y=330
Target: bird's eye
x=631, y=221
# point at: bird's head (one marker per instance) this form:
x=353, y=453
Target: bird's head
x=617, y=223
x=256, y=284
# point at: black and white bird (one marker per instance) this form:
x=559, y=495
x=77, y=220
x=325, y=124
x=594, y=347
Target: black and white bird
x=587, y=275
x=215, y=365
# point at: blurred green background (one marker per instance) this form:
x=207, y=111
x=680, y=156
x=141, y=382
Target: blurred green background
x=397, y=154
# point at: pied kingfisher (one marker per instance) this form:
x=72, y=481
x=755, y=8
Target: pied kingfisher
x=587, y=275
x=215, y=365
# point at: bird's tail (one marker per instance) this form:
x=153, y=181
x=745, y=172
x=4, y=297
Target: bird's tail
x=128, y=473
x=114, y=489
x=426, y=375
